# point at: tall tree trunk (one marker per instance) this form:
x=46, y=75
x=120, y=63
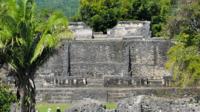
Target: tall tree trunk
x=27, y=96
x=22, y=93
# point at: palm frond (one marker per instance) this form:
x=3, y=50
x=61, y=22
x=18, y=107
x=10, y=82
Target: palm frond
x=24, y=42
x=51, y=34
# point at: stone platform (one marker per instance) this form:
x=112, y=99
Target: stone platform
x=70, y=95
x=106, y=63
x=141, y=103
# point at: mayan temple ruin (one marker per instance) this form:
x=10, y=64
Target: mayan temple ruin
x=99, y=55
x=126, y=57
x=125, y=66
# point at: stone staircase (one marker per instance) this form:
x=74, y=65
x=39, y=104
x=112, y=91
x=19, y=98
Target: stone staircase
x=60, y=97
x=55, y=96
x=115, y=95
x=72, y=95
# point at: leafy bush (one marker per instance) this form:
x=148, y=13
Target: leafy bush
x=6, y=99
x=184, y=56
x=149, y=10
x=100, y=15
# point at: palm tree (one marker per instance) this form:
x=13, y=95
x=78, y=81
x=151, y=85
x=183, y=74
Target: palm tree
x=25, y=44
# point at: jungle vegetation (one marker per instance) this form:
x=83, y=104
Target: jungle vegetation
x=6, y=98
x=104, y=14
x=68, y=7
x=26, y=43
x=184, y=57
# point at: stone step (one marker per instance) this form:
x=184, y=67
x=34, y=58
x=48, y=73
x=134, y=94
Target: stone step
x=117, y=95
x=58, y=98
x=59, y=101
x=61, y=96
x=101, y=93
x=61, y=93
x=95, y=85
x=58, y=92
x=95, y=82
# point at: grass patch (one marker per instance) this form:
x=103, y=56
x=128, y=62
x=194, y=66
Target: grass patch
x=111, y=105
x=43, y=107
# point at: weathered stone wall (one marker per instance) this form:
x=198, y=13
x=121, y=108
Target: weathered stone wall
x=124, y=29
x=81, y=63
x=140, y=103
x=92, y=58
x=81, y=31
x=131, y=29
x=147, y=57
x=157, y=104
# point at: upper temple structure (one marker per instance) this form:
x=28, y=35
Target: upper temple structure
x=126, y=56
x=124, y=29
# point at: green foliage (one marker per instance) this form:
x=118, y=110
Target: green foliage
x=150, y=10
x=26, y=43
x=184, y=56
x=23, y=40
x=143, y=9
x=101, y=14
x=43, y=107
x=184, y=62
x=111, y=105
x=76, y=18
x=186, y=20
x=68, y=7
x=6, y=99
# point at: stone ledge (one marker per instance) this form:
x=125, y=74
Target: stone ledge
x=110, y=94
